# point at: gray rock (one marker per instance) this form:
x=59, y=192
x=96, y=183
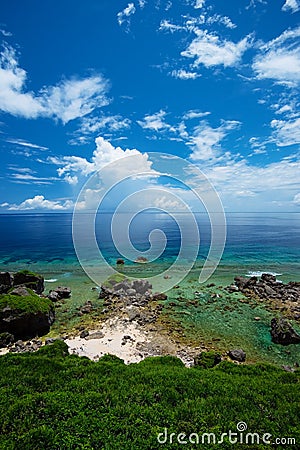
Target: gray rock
x=84, y=334
x=63, y=292
x=283, y=333
x=53, y=296
x=237, y=355
x=22, y=291
x=96, y=335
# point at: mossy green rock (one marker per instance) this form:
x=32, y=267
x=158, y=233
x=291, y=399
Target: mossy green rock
x=25, y=316
x=207, y=360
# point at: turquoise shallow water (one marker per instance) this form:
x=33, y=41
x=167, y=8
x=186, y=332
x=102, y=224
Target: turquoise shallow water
x=255, y=244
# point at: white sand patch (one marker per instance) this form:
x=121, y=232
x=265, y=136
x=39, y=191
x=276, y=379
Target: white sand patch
x=113, y=342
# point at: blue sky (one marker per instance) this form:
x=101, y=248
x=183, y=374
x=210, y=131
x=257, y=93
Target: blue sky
x=85, y=83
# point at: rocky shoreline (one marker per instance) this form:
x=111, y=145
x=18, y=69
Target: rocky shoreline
x=132, y=326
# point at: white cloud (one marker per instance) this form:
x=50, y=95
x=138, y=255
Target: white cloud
x=280, y=58
x=224, y=20
x=66, y=101
x=208, y=49
x=246, y=193
x=27, y=144
x=13, y=99
x=39, y=202
x=166, y=25
x=205, y=141
x=286, y=132
x=142, y=3
x=195, y=114
x=124, y=16
x=296, y=200
x=5, y=33
x=75, y=98
x=155, y=122
x=114, y=123
x=199, y=4
x=184, y=75
x=291, y=5
x=104, y=154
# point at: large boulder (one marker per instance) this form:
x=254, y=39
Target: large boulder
x=30, y=280
x=6, y=282
x=24, y=314
x=283, y=333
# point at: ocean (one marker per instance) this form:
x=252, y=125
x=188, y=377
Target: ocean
x=255, y=243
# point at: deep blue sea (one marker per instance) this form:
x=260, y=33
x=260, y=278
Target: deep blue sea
x=254, y=242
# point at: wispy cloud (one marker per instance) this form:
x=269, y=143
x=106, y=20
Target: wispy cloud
x=291, y=6
x=66, y=101
x=155, y=122
x=279, y=59
x=26, y=144
x=205, y=141
x=286, y=132
x=209, y=50
x=183, y=74
x=5, y=33
x=124, y=16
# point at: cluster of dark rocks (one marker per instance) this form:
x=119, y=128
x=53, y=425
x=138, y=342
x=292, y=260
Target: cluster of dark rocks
x=27, y=315
x=60, y=293
x=133, y=298
x=267, y=287
x=9, y=280
x=269, y=290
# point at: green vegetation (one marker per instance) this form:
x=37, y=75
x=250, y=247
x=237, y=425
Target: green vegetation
x=207, y=360
x=27, y=272
x=52, y=400
x=116, y=278
x=26, y=303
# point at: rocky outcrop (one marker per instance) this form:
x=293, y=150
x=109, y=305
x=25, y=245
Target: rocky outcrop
x=283, y=333
x=267, y=287
x=25, y=278
x=132, y=299
x=24, y=314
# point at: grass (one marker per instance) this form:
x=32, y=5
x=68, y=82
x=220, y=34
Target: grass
x=26, y=304
x=52, y=400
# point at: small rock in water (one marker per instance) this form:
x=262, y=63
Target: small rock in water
x=120, y=261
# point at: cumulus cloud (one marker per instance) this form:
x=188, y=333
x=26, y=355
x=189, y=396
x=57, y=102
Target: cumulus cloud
x=105, y=153
x=291, y=6
x=39, y=202
x=208, y=49
x=66, y=101
x=279, y=59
